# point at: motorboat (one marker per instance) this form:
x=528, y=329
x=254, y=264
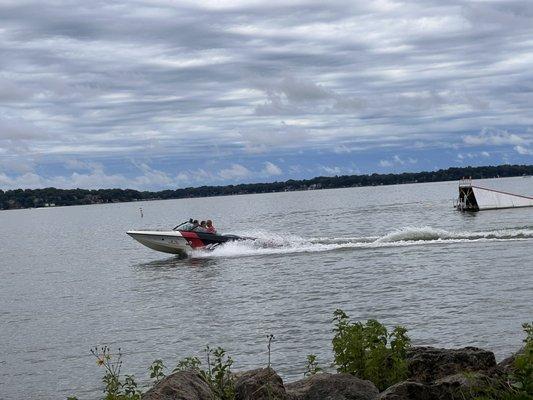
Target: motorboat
x=182, y=239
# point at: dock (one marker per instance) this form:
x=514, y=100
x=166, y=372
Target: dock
x=477, y=198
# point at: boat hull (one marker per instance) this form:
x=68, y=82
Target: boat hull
x=180, y=242
x=167, y=242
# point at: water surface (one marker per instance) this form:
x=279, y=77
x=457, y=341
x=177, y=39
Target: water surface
x=71, y=279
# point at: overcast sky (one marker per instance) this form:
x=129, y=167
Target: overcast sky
x=163, y=94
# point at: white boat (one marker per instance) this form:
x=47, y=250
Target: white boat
x=181, y=240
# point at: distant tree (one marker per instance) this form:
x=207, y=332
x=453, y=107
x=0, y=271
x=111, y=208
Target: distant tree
x=19, y=198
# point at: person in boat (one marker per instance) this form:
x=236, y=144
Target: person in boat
x=190, y=226
x=201, y=227
x=210, y=228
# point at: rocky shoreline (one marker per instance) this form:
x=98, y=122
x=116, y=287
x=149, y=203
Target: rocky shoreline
x=433, y=374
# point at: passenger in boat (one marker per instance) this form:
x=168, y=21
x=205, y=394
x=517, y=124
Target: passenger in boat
x=210, y=228
x=201, y=227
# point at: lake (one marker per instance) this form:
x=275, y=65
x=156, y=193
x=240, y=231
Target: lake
x=72, y=279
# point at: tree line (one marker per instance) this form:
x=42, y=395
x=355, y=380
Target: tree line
x=48, y=197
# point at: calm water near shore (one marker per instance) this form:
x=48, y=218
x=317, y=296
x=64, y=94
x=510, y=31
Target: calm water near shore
x=70, y=279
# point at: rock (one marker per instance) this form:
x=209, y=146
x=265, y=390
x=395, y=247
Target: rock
x=332, y=387
x=507, y=364
x=467, y=385
x=465, y=380
x=259, y=384
x=407, y=390
x=183, y=385
x=463, y=386
x=427, y=364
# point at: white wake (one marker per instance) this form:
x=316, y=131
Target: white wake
x=267, y=243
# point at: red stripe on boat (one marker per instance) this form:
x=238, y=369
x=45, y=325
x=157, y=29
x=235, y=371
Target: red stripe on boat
x=192, y=238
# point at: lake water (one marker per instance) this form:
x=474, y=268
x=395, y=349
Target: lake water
x=70, y=279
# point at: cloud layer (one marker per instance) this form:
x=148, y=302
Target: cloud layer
x=163, y=94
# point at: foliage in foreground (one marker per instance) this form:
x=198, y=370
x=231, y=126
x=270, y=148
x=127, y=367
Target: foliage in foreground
x=368, y=351
x=218, y=373
x=517, y=385
x=312, y=367
x=365, y=350
x=117, y=387
x=523, y=373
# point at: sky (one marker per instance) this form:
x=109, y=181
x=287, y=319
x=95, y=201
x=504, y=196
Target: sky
x=164, y=94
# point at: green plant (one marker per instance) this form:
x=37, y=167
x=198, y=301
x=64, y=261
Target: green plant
x=369, y=351
x=156, y=370
x=312, y=367
x=188, y=364
x=130, y=388
x=522, y=376
x=399, y=343
x=486, y=388
x=268, y=387
x=270, y=339
x=114, y=388
x=516, y=385
x=218, y=374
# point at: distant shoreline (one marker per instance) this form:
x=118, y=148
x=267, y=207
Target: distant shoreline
x=52, y=197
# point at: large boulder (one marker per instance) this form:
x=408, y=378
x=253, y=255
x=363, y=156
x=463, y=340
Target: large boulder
x=407, y=390
x=427, y=364
x=332, y=387
x=183, y=385
x=259, y=384
x=469, y=385
x=459, y=386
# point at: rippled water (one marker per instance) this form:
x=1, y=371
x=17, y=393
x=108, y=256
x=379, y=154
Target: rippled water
x=72, y=279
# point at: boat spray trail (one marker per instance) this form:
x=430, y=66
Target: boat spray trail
x=266, y=243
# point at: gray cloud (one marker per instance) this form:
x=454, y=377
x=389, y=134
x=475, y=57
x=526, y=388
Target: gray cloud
x=293, y=96
x=18, y=130
x=125, y=79
x=496, y=138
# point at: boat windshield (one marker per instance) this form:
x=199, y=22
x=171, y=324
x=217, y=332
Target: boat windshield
x=184, y=226
x=189, y=226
